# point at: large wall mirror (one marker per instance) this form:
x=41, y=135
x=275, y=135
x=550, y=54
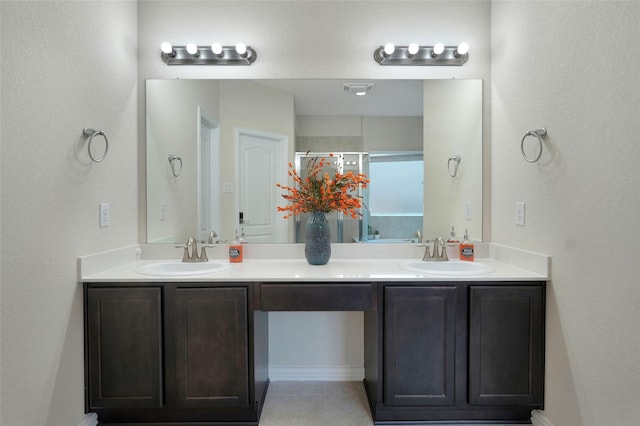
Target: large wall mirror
x=217, y=148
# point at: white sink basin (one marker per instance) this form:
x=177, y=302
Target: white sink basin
x=177, y=268
x=450, y=268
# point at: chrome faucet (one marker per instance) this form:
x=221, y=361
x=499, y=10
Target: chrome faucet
x=439, y=250
x=212, y=235
x=418, y=235
x=191, y=254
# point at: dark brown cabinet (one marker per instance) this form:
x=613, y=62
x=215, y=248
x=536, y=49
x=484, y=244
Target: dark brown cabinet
x=455, y=351
x=506, y=345
x=211, y=362
x=124, y=352
x=174, y=354
x=419, y=349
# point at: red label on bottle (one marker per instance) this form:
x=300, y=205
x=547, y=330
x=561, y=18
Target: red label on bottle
x=466, y=252
x=235, y=254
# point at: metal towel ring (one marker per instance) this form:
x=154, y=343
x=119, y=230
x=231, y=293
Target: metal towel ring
x=172, y=161
x=456, y=159
x=539, y=134
x=91, y=133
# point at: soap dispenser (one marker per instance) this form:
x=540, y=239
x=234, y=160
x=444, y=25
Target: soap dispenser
x=235, y=249
x=466, y=248
x=453, y=245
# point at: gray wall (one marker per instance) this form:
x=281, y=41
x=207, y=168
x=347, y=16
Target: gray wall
x=581, y=197
x=65, y=65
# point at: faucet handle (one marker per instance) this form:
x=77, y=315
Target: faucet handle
x=427, y=252
x=203, y=252
x=185, y=255
x=443, y=255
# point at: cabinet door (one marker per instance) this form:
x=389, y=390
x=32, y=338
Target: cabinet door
x=211, y=346
x=506, y=345
x=123, y=332
x=419, y=340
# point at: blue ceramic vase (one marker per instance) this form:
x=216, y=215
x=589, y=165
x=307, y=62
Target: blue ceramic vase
x=317, y=245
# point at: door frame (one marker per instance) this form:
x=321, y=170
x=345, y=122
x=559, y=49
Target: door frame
x=214, y=175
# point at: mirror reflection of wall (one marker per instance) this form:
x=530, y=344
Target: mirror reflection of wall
x=453, y=126
x=172, y=129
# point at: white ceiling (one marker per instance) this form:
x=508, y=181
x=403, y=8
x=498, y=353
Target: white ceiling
x=327, y=97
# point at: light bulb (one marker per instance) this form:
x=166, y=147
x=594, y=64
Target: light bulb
x=389, y=48
x=216, y=48
x=241, y=49
x=463, y=49
x=413, y=49
x=438, y=48
x=192, y=49
x=166, y=48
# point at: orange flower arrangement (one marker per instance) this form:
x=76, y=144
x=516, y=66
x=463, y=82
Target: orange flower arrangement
x=318, y=192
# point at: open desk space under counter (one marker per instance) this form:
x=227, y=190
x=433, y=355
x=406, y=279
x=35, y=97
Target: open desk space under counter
x=179, y=350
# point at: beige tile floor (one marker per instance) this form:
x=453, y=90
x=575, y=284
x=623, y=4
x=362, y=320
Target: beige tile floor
x=317, y=404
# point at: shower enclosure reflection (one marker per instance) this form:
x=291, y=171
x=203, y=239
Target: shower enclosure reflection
x=392, y=204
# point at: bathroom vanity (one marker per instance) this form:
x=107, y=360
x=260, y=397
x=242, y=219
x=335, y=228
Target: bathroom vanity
x=179, y=351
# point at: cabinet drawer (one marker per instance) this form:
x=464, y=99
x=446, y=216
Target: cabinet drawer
x=316, y=297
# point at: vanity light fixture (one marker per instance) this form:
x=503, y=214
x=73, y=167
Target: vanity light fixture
x=388, y=50
x=412, y=49
x=437, y=50
x=462, y=49
x=241, y=49
x=214, y=54
x=167, y=49
x=216, y=49
x=413, y=54
x=192, y=49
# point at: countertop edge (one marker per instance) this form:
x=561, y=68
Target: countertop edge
x=297, y=270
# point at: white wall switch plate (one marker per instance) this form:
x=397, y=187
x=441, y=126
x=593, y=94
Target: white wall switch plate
x=520, y=213
x=468, y=211
x=227, y=187
x=104, y=215
x=163, y=211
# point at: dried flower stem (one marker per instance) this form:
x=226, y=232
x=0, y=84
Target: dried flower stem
x=318, y=192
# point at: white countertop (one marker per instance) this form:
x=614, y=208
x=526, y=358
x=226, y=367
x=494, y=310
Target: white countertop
x=349, y=262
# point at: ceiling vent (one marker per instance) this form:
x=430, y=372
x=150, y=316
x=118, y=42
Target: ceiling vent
x=359, y=89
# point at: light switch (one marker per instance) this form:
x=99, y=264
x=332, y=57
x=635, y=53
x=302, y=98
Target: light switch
x=104, y=215
x=520, y=213
x=468, y=211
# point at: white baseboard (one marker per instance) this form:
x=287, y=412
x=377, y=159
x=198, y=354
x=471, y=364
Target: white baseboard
x=328, y=374
x=90, y=419
x=538, y=419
